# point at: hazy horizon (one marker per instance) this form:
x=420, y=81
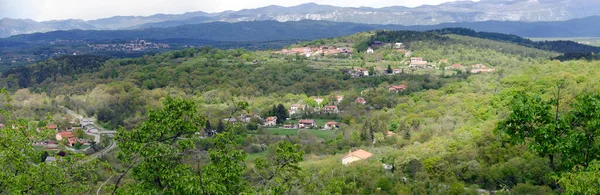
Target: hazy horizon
x=47, y=10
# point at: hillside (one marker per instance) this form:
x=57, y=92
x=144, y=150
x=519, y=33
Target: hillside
x=445, y=120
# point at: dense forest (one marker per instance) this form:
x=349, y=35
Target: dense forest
x=530, y=127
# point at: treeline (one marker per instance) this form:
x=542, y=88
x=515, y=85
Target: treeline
x=555, y=46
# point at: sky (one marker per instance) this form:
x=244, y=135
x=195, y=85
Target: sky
x=44, y=10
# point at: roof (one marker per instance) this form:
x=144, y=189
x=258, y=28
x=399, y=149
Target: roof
x=360, y=154
x=51, y=126
x=271, y=118
x=398, y=87
x=331, y=123
x=306, y=121
x=330, y=107
x=419, y=63
x=456, y=65
x=66, y=134
x=339, y=97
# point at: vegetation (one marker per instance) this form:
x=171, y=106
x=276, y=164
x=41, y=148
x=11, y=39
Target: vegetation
x=530, y=127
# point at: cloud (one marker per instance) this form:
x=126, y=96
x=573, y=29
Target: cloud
x=42, y=10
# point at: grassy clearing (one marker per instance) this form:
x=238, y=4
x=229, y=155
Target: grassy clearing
x=323, y=134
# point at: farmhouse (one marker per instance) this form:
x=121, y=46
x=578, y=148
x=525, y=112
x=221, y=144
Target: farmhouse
x=306, y=123
x=271, y=121
x=397, y=88
x=361, y=100
x=331, y=125
x=330, y=109
x=355, y=156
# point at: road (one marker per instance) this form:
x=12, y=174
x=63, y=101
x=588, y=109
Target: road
x=96, y=132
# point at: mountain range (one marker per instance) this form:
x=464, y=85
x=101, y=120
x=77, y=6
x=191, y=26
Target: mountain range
x=452, y=12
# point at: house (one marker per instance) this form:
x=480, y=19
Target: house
x=318, y=100
x=416, y=59
x=331, y=125
x=330, y=109
x=455, y=67
x=71, y=139
x=362, y=71
x=306, y=123
x=389, y=133
x=398, y=46
x=396, y=71
x=418, y=64
x=339, y=99
x=297, y=107
x=271, y=121
x=479, y=66
x=231, y=120
x=289, y=126
x=52, y=127
x=370, y=50
x=2, y=126
x=444, y=61
x=86, y=121
x=356, y=156
x=361, y=100
x=397, y=88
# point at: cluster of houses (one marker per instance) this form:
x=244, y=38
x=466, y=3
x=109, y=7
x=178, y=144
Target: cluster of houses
x=476, y=68
x=135, y=45
x=313, y=51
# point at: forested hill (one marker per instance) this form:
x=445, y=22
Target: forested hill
x=556, y=46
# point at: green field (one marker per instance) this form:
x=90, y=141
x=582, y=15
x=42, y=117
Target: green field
x=320, y=122
x=324, y=134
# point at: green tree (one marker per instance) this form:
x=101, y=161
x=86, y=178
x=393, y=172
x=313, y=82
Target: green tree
x=155, y=149
x=282, y=114
x=220, y=127
x=582, y=180
x=79, y=133
x=279, y=172
x=389, y=69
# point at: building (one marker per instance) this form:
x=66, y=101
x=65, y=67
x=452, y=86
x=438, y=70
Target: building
x=271, y=121
x=289, y=126
x=397, y=88
x=356, y=156
x=339, y=99
x=330, y=109
x=370, y=50
x=396, y=71
x=71, y=139
x=331, y=125
x=455, y=67
x=362, y=71
x=361, y=100
x=318, y=100
x=86, y=121
x=416, y=59
x=52, y=127
x=399, y=45
x=306, y=123
x=417, y=62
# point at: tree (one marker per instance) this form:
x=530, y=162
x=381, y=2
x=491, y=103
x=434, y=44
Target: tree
x=389, y=69
x=79, y=133
x=279, y=172
x=582, y=180
x=282, y=114
x=225, y=173
x=208, y=126
x=154, y=150
x=220, y=127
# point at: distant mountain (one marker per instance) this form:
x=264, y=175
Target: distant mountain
x=453, y=12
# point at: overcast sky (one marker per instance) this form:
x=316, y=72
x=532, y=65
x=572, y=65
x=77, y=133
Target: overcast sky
x=42, y=10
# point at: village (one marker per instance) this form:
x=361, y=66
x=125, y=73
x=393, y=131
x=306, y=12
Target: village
x=134, y=45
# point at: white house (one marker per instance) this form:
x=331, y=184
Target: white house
x=370, y=50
